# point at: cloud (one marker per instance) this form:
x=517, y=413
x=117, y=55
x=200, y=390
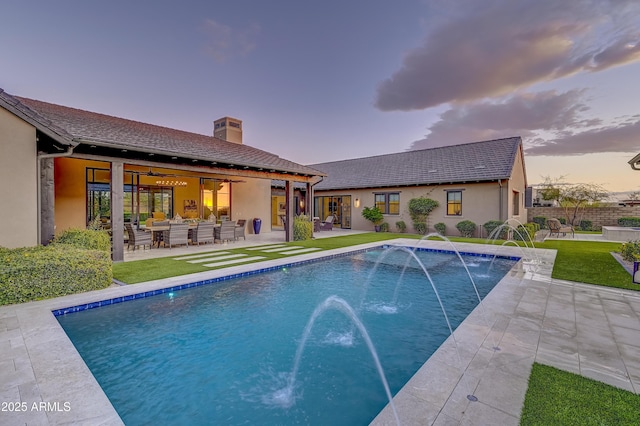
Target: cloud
x=496, y=47
x=624, y=137
x=549, y=122
x=224, y=42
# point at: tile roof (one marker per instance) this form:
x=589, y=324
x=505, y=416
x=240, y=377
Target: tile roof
x=74, y=126
x=470, y=162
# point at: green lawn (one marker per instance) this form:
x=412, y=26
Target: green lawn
x=583, y=261
x=556, y=397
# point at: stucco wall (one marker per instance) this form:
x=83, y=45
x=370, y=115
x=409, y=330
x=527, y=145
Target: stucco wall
x=251, y=199
x=18, y=191
x=517, y=183
x=480, y=203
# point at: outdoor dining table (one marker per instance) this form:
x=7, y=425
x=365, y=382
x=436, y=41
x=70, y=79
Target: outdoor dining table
x=162, y=228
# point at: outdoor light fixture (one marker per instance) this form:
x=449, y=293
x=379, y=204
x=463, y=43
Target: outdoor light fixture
x=171, y=183
x=357, y=203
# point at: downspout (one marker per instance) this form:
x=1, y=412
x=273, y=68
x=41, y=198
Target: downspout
x=39, y=159
x=500, y=200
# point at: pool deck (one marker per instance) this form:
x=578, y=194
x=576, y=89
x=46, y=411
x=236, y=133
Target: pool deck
x=590, y=330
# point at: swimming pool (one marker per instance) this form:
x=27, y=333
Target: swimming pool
x=218, y=353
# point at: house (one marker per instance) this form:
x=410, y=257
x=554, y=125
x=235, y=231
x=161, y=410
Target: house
x=478, y=181
x=63, y=167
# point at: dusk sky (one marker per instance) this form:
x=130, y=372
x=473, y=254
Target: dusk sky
x=317, y=81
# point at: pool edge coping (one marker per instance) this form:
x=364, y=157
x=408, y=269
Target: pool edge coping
x=53, y=370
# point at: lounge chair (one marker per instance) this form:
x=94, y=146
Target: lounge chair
x=203, y=233
x=226, y=231
x=555, y=227
x=327, y=225
x=178, y=234
x=137, y=237
x=239, y=229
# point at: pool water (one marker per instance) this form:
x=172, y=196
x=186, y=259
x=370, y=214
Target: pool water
x=217, y=354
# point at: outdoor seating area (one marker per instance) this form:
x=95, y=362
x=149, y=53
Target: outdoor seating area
x=557, y=228
x=161, y=232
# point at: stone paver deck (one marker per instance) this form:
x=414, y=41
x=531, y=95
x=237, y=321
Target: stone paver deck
x=590, y=330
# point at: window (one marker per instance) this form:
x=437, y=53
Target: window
x=388, y=202
x=516, y=203
x=454, y=203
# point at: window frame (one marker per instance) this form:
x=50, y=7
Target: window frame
x=454, y=202
x=386, y=202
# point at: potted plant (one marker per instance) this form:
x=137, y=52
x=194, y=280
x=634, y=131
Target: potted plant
x=374, y=215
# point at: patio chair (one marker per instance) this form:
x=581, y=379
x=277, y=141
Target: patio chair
x=137, y=237
x=226, y=231
x=178, y=234
x=239, y=229
x=555, y=227
x=158, y=237
x=203, y=233
x=327, y=225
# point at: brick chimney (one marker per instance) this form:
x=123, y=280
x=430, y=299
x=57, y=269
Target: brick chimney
x=228, y=129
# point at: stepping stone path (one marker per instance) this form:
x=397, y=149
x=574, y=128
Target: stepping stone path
x=224, y=258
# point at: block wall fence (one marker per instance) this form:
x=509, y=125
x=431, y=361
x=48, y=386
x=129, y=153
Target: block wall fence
x=599, y=216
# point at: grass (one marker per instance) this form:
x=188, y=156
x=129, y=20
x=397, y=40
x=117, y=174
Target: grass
x=582, y=261
x=556, y=397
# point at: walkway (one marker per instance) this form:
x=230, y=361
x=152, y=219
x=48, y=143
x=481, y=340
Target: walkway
x=529, y=316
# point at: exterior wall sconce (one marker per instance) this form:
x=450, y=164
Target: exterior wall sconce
x=357, y=203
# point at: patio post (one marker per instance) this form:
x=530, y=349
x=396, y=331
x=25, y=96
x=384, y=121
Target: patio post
x=288, y=228
x=117, y=210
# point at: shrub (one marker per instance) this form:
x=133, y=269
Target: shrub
x=302, y=228
x=629, y=221
x=466, y=228
x=402, y=227
x=440, y=228
x=525, y=229
x=85, y=238
x=373, y=214
x=34, y=273
x=419, y=210
x=420, y=228
x=586, y=225
x=540, y=220
x=562, y=220
x=384, y=227
x=630, y=251
x=491, y=226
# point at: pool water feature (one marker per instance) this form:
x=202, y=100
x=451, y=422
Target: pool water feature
x=219, y=353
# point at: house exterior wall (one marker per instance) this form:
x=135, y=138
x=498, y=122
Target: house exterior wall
x=481, y=202
x=19, y=191
x=252, y=199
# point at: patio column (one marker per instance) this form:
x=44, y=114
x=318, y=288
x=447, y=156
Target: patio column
x=47, y=201
x=288, y=229
x=308, y=203
x=117, y=210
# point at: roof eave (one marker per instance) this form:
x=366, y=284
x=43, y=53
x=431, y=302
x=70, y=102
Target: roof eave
x=635, y=162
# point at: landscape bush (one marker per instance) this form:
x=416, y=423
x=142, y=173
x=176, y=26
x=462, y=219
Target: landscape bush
x=402, y=227
x=562, y=220
x=540, y=220
x=88, y=239
x=629, y=221
x=384, y=227
x=467, y=228
x=586, y=225
x=491, y=226
x=440, y=228
x=420, y=228
x=630, y=251
x=525, y=229
x=302, y=228
x=34, y=273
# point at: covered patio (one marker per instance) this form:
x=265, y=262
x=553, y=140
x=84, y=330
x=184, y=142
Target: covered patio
x=95, y=167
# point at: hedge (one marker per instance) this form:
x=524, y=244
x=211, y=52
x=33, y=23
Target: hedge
x=34, y=273
x=529, y=228
x=629, y=221
x=85, y=238
x=491, y=226
x=441, y=228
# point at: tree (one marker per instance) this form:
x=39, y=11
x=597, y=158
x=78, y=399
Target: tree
x=573, y=198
